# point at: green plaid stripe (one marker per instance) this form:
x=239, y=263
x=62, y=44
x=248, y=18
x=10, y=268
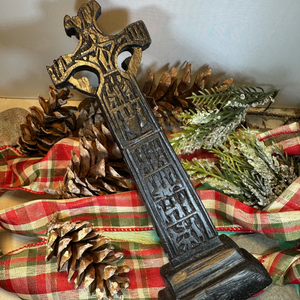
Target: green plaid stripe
x=293, y=274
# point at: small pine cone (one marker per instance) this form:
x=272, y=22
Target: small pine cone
x=44, y=127
x=169, y=99
x=99, y=171
x=89, y=115
x=78, y=247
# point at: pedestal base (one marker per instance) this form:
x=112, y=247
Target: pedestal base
x=225, y=273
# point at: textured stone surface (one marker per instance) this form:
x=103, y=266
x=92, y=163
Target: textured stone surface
x=9, y=125
x=275, y=292
x=259, y=244
x=256, y=243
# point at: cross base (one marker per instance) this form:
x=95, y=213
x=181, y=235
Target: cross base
x=224, y=273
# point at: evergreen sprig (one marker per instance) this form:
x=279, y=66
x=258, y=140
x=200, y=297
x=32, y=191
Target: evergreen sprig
x=230, y=95
x=218, y=112
x=247, y=171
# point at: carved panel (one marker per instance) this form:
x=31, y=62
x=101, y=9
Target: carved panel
x=175, y=208
x=162, y=182
x=188, y=233
x=179, y=212
x=150, y=157
x=124, y=107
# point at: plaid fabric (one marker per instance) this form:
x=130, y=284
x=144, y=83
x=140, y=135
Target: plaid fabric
x=25, y=272
x=116, y=212
x=283, y=266
x=126, y=212
x=287, y=136
x=34, y=174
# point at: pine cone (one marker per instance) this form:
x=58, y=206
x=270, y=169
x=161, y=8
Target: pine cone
x=169, y=99
x=44, y=127
x=99, y=171
x=78, y=247
x=89, y=115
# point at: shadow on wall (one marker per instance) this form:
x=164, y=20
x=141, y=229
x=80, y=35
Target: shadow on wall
x=24, y=49
x=112, y=21
x=160, y=57
x=27, y=47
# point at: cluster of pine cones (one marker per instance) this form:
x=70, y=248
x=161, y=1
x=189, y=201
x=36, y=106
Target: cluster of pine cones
x=100, y=169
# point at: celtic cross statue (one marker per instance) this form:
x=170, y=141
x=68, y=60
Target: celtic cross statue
x=202, y=265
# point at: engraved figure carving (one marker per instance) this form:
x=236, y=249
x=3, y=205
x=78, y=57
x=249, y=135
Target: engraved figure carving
x=150, y=157
x=163, y=183
x=188, y=234
x=175, y=208
x=170, y=210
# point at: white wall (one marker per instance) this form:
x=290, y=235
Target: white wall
x=254, y=41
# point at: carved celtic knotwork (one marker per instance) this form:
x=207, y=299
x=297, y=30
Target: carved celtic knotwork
x=98, y=53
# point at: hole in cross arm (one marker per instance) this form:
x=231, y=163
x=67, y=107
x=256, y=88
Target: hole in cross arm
x=92, y=77
x=123, y=60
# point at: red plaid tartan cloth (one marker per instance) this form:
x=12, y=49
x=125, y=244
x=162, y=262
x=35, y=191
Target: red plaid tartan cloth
x=26, y=273
x=280, y=220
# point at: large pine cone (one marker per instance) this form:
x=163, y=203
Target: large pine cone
x=44, y=127
x=100, y=170
x=78, y=247
x=169, y=99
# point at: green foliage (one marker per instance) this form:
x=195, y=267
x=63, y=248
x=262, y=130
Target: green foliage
x=247, y=171
x=218, y=112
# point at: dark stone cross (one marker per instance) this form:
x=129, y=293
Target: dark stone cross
x=201, y=265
